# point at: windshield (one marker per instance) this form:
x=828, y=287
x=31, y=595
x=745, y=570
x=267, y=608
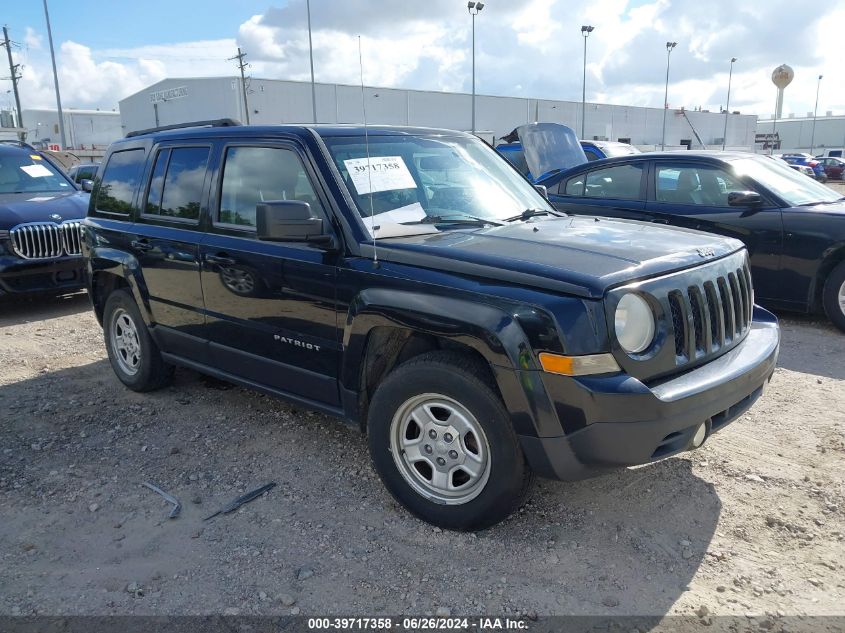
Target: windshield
x=25, y=172
x=412, y=178
x=793, y=186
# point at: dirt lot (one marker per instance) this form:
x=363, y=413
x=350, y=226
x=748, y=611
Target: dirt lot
x=751, y=524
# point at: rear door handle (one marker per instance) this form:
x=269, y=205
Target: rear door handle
x=142, y=245
x=220, y=260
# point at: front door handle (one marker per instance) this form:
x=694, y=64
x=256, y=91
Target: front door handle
x=220, y=260
x=142, y=245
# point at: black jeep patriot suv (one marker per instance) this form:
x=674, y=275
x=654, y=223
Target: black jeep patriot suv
x=412, y=282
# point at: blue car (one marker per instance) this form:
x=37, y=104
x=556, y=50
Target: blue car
x=551, y=147
x=592, y=150
x=596, y=150
x=809, y=161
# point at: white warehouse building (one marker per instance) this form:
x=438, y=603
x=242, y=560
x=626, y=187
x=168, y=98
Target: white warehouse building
x=84, y=129
x=272, y=101
x=801, y=134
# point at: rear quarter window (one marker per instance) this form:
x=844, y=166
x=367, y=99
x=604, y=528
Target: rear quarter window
x=120, y=181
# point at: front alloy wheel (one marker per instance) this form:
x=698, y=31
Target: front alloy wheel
x=443, y=442
x=440, y=449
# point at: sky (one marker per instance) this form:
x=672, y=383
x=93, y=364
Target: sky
x=107, y=50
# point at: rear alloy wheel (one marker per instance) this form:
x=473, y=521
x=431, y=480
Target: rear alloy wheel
x=444, y=445
x=134, y=356
x=834, y=296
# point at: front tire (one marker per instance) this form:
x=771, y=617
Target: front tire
x=134, y=356
x=443, y=443
x=834, y=296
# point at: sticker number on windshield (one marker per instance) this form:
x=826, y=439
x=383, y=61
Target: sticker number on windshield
x=386, y=173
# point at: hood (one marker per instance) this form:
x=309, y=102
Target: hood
x=550, y=147
x=17, y=208
x=578, y=255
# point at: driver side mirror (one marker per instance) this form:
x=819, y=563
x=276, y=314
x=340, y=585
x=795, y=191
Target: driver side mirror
x=744, y=199
x=87, y=185
x=289, y=221
x=542, y=190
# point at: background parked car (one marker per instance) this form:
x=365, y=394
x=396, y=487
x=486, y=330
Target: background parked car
x=81, y=172
x=553, y=148
x=40, y=217
x=607, y=149
x=810, y=161
x=803, y=169
x=794, y=227
x=833, y=167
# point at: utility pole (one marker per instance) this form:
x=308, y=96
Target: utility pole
x=241, y=56
x=311, y=57
x=55, y=78
x=13, y=71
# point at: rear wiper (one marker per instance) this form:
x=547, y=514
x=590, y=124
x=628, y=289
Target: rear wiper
x=453, y=219
x=530, y=213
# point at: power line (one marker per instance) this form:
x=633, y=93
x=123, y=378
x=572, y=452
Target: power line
x=242, y=64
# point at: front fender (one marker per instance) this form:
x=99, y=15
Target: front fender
x=495, y=333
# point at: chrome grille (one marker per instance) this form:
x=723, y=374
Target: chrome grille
x=72, y=237
x=702, y=312
x=706, y=317
x=45, y=240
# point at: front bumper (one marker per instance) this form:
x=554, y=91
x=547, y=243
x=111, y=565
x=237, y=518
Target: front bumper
x=22, y=276
x=622, y=422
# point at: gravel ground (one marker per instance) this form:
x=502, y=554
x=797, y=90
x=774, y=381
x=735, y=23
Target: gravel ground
x=750, y=524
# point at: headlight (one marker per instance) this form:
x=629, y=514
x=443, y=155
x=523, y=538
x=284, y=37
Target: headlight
x=634, y=322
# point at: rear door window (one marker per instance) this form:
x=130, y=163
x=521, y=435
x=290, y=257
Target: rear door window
x=177, y=183
x=121, y=179
x=621, y=182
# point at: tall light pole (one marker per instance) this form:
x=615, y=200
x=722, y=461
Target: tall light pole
x=815, y=110
x=55, y=78
x=669, y=47
x=473, y=8
x=728, y=104
x=585, y=31
x=311, y=57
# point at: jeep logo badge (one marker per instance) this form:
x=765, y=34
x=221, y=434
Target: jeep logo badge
x=55, y=216
x=706, y=252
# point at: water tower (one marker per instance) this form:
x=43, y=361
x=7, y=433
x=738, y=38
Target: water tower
x=782, y=76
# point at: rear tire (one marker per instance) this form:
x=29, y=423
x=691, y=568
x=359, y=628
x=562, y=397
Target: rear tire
x=134, y=356
x=443, y=443
x=834, y=296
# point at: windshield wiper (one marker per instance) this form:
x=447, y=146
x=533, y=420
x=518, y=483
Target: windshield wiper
x=453, y=219
x=531, y=213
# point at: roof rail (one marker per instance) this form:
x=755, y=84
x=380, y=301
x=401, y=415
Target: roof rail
x=23, y=144
x=179, y=126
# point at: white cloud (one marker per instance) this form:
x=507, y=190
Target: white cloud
x=32, y=39
x=530, y=48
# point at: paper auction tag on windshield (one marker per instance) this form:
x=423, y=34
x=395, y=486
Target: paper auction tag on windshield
x=386, y=173
x=36, y=171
